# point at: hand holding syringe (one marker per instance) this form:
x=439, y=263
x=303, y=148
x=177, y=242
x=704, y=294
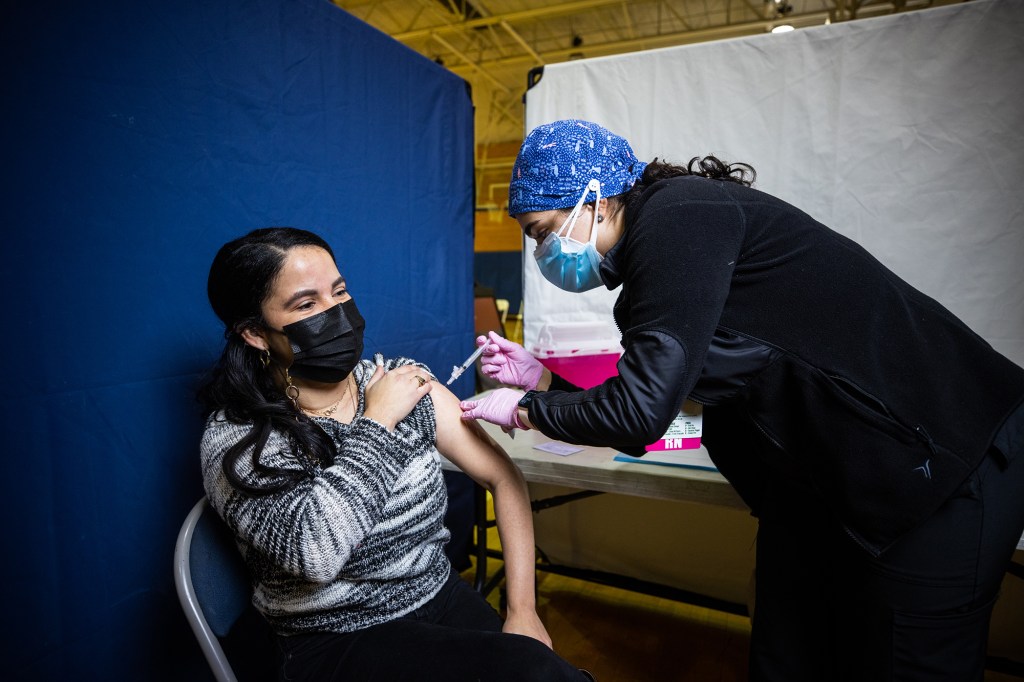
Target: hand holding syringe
x=457, y=371
x=508, y=362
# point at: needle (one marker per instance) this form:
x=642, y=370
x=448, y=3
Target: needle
x=457, y=370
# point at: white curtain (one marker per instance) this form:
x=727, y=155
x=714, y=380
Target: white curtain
x=905, y=133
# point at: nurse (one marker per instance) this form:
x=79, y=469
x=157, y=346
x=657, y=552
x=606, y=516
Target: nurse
x=875, y=436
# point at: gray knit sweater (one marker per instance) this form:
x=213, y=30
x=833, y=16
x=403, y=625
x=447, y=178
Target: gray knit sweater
x=360, y=542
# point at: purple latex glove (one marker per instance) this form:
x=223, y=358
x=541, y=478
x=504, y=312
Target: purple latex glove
x=501, y=407
x=509, y=363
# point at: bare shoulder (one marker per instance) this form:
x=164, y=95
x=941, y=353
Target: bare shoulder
x=446, y=407
x=465, y=443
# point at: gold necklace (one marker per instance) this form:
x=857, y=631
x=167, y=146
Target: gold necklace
x=333, y=408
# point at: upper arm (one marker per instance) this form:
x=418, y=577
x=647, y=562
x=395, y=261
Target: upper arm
x=679, y=279
x=465, y=443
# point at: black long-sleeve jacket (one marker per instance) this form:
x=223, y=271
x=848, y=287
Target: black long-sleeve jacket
x=819, y=354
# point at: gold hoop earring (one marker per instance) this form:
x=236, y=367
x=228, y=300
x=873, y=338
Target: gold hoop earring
x=291, y=391
x=265, y=358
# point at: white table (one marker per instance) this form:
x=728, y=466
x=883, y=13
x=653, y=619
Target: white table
x=594, y=470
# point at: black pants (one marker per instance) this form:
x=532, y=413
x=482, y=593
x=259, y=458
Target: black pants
x=454, y=637
x=827, y=610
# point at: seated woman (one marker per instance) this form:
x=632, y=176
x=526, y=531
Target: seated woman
x=324, y=466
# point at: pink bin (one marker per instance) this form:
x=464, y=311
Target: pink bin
x=580, y=352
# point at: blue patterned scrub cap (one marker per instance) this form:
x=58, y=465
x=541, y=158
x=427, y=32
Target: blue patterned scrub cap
x=558, y=159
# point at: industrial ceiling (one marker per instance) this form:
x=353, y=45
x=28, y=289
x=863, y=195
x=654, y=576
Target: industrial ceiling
x=494, y=44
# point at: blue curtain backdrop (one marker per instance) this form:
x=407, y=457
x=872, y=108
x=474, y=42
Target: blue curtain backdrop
x=138, y=138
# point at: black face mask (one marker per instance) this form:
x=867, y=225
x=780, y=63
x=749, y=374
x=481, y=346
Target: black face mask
x=326, y=346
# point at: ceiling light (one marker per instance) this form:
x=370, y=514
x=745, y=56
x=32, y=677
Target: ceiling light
x=783, y=28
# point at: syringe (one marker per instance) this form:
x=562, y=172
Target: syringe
x=457, y=370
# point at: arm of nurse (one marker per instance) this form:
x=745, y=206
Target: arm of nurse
x=467, y=446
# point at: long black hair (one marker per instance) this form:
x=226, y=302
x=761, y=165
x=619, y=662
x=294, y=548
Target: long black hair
x=710, y=167
x=241, y=384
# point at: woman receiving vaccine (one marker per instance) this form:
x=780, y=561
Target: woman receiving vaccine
x=325, y=467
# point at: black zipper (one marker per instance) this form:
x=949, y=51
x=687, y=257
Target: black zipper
x=765, y=433
x=923, y=435
x=748, y=337
x=870, y=550
x=873, y=404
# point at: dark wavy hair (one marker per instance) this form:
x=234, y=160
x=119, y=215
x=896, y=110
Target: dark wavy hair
x=710, y=167
x=239, y=385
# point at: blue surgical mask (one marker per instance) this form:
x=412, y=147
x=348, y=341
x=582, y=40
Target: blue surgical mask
x=569, y=264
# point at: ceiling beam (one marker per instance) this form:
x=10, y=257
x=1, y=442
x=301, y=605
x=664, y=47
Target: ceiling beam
x=522, y=43
x=679, y=38
x=551, y=10
x=469, y=62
